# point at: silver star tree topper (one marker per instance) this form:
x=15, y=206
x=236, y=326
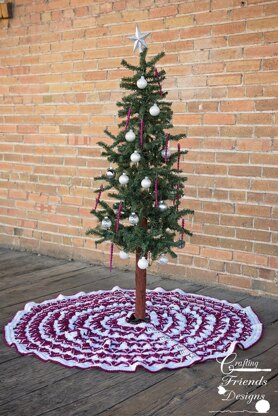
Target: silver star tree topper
x=139, y=39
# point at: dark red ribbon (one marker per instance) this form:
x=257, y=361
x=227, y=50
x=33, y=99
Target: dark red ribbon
x=128, y=118
x=182, y=233
x=179, y=156
x=118, y=217
x=98, y=197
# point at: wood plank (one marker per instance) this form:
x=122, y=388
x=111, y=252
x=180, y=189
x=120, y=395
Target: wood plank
x=34, y=276
x=28, y=289
x=70, y=394
x=29, y=263
x=3, y=250
x=220, y=293
x=171, y=284
x=8, y=258
x=14, y=275
x=24, y=375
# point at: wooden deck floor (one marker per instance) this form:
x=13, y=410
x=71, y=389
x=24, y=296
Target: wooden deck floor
x=30, y=387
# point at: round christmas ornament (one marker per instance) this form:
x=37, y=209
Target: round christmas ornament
x=146, y=183
x=181, y=244
x=163, y=259
x=130, y=136
x=154, y=110
x=106, y=223
x=142, y=83
x=135, y=156
x=143, y=263
x=133, y=218
x=110, y=173
x=163, y=153
x=123, y=255
x=123, y=179
x=162, y=206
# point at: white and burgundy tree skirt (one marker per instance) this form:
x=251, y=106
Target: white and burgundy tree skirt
x=91, y=330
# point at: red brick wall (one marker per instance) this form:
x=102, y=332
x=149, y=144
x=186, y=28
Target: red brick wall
x=59, y=83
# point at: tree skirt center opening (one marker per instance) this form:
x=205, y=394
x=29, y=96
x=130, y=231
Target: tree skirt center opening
x=91, y=330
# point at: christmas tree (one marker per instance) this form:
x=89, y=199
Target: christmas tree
x=144, y=178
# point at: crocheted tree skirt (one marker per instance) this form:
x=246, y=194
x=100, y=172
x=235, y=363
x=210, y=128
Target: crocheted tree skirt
x=91, y=330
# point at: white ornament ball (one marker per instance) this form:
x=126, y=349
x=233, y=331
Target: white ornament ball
x=181, y=244
x=110, y=173
x=142, y=83
x=106, y=223
x=163, y=153
x=154, y=110
x=163, y=259
x=123, y=255
x=162, y=206
x=143, y=263
x=135, y=157
x=146, y=183
x=133, y=218
x=123, y=179
x=130, y=136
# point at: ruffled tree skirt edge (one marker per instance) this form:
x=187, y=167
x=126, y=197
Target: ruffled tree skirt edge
x=91, y=330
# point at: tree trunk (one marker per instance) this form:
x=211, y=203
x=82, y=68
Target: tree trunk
x=140, y=282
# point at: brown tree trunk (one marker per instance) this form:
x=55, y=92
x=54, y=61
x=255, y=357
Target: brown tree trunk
x=140, y=282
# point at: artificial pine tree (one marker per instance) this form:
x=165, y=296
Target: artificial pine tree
x=144, y=178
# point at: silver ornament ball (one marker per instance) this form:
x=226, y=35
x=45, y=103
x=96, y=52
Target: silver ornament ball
x=135, y=157
x=123, y=179
x=146, y=183
x=143, y=263
x=142, y=83
x=133, y=219
x=163, y=153
x=181, y=244
x=130, y=136
x=162, y=206
x=163, y=259
x=110, y=173
x=154, y=110
x=123, y=255
x=106, y=223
